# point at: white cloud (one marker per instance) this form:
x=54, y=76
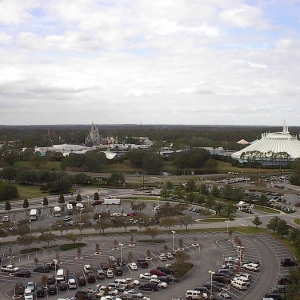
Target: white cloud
x=245, y=16
x=149, y=61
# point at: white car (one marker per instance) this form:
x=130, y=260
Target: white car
x=147, y=276
x=247, y=275
x=72, y=283
x=251, y=267
x=169, y=255
x=133, y=266
x=87, y=268
x=109, y=274
x=161, y=284
x=28, y=295
x=162, y=257
x=133, y=294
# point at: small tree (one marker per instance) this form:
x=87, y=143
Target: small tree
x=130, y=256
x=152, y=231
x=180, y=243
x=97, y=248
x=25, y=203
x=96, y=196
x=45, y=201
x=44, y=280
x=36, y=260
x=148, y=254
x=7, y=205
x=78, y=198
x=115, y=245
x=72, y=237
x=16, y=291
x=78, y=253
x=166, y=247
x=61, y=198
x=257, y=221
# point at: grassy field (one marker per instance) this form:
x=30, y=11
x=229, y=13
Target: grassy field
x=266, y=209
x=28, y=191
x=297, y=221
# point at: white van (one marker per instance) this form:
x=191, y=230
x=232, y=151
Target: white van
x=192, y=294
x=238, y=284
x=60, y=275
x=243, y=279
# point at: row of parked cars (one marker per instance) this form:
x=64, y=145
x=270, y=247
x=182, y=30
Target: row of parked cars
x=279, y=290
x=232, y=273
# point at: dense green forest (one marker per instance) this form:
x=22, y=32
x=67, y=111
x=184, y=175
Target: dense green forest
x=213, y=136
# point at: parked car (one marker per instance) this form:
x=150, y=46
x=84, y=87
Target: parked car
x=165, y=270
x=157, y=272
x=147, y=276
x=22, y=273
x=42, y=269
x=52, y=289
x=251, y=267
x=109, y=274
x=142, y=263
x=40, y=292
x=133, y=266
x=288, y=262
x=82, y=281
x=90, y=277
x=72, y=283
x=162, y=257
x=149, y=286
x=63, y=285
x=100, y=274
x=104, y=266
x=28, y=294
x=31, y=286
x=50, y=279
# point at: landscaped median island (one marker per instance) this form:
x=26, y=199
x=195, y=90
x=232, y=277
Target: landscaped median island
x=214, y=220
x=266, y=209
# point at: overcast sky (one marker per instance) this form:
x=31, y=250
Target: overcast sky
x=198, y=62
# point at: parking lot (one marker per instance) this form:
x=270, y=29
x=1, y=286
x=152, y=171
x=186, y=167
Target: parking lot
x=209, y=256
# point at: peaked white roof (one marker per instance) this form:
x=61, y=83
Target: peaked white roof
x=274, y=143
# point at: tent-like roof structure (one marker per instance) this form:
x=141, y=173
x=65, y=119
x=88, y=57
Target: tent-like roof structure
x=270, y=144
x=243, y=142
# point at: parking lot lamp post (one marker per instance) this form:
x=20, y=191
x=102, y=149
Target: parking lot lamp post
x=42, y=209
x=211, y=275
x=30, y=226
x=227, y=221
x=88, y=198
x=173, y=232
x=121, y=249
x=80, y=211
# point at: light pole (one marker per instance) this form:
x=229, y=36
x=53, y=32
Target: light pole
x=227, y=221
x=30, y=226
x=121, y=249
x=211, y=275
x=80, y=211
x=88, y=197
x=173, y=232
x=42, y=208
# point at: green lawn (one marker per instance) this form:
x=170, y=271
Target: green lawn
x=297, y=221
x=28, y=191
x=266, y=209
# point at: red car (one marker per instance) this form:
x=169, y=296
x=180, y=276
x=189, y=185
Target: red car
x=157, y=272
x=104, y=266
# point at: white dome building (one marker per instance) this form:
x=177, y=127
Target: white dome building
x=277, y=148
